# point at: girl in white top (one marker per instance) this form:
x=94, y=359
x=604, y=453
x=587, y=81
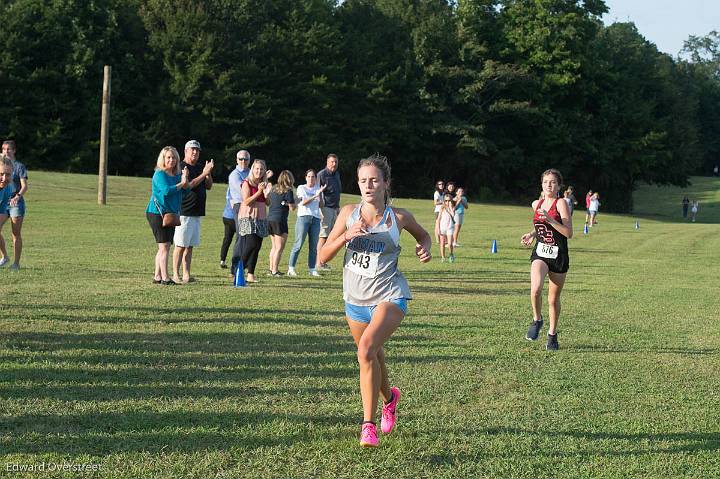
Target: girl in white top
x=445, y=224
x=308, y=201
x=375, y=291
x=594, y=207
x=438, y=201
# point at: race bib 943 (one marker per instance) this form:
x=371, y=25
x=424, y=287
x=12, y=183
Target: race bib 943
x=363, y=264
x=547, y=251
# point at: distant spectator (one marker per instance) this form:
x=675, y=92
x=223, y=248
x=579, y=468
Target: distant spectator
x=588, y=197
x=461, y=204
x=685, y=205
x=329, y=179
x=252, y=225
x=570, y=198
x=308, y=202
x=437, y=204
x=16, y=207
x=7, y=190
x=233, y=197
x=594, y=207
x=167, y=188
x=694, y=210
x=445, y=223
x=187, y=235
x=281, y=200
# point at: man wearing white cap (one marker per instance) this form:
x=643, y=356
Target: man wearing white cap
x=187, y=235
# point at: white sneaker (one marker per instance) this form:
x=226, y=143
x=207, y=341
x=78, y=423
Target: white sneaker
x=314, y=272
x=291, y=272
x=4, y=261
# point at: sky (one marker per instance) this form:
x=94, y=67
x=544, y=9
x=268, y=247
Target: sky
x=666, y=23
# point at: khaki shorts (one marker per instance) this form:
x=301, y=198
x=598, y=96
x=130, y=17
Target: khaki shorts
x=327, y=221
x=188, y=233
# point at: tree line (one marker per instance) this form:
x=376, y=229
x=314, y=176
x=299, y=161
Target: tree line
x=488, y=93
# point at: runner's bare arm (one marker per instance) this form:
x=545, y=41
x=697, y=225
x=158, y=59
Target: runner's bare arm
x=424, y=242
x=337, y=237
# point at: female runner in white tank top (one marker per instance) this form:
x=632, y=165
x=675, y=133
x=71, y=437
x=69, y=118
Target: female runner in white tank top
x=374, y=290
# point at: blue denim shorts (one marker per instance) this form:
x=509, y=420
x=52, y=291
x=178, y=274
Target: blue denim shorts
x=363, y=314
x=17, y=211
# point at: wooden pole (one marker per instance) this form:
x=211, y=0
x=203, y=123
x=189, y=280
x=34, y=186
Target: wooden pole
x=104, y=137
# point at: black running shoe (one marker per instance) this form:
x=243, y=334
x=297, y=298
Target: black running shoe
x=552, y=343
x=534, y=330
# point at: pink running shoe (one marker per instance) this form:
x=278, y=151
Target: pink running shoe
x=368, y=435
x=389, y=412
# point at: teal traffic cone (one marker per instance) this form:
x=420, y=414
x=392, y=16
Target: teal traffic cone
x=493, y=248
x=585, y=229
x=239, y=281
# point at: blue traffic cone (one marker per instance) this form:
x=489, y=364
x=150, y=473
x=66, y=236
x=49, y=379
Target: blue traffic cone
x=585, y=229
x=493, y=248
x=637, y=224
x=239, y=275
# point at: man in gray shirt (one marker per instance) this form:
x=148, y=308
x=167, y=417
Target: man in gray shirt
x=330, y=178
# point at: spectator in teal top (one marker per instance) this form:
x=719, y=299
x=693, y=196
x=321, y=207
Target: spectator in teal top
x=167, y=188
x=16, y=207
x=7, y=191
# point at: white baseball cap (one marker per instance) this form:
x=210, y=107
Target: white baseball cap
x=193, y=144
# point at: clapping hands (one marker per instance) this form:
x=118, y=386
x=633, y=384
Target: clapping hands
x=209, y=165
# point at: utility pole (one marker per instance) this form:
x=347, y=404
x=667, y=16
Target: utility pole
x=104, y=137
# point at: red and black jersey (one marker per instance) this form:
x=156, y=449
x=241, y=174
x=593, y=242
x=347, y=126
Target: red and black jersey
x=548, y=235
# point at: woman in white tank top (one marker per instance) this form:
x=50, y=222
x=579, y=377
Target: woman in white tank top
x=375, y=291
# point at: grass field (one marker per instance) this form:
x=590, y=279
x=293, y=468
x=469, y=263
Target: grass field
x=99, y=366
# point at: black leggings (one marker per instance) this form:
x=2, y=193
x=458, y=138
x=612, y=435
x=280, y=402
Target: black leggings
x=251, y=245
x=227, y=239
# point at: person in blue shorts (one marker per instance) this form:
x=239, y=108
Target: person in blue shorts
x=374, y=290
x=7, y=188
x=16, y=208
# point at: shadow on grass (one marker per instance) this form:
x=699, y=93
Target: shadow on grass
x=102, y=433
x=586, y=348
x=688, y=441
x=135, y=367
x=642, y=444
x=169, y=315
